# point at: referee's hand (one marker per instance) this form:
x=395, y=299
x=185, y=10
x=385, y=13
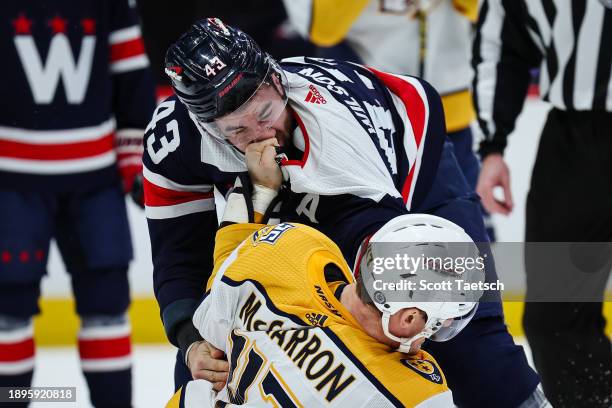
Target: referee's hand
x=494, y=173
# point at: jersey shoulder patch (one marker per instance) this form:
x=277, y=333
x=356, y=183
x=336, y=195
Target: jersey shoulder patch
x=270, y=234
x=426, y=368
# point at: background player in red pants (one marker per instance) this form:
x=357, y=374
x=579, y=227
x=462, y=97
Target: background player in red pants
x=77, y=95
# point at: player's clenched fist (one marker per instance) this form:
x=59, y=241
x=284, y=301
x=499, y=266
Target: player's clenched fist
x=208, y=363
x=261, y=163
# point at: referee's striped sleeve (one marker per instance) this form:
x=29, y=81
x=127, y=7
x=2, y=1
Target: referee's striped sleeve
x=503, y=55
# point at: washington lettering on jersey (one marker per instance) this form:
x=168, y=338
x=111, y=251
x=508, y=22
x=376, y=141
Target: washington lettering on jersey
x=393, y=114
x=362, y=116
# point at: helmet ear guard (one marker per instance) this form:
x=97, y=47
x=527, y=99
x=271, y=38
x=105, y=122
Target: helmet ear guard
x=408, y=240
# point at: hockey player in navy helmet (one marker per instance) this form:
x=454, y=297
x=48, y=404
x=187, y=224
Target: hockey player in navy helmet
x=234, y=89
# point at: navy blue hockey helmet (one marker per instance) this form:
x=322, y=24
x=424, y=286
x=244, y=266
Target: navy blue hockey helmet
x=215, y=68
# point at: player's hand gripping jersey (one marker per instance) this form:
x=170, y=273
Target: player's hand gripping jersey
x=365, y=150
x=272, y=307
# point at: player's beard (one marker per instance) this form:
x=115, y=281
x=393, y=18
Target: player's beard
x=283, y=135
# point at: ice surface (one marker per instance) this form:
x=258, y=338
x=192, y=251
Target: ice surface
x=152, y=377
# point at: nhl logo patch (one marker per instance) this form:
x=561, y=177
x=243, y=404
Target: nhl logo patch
x=425, y=369
x=271, y=234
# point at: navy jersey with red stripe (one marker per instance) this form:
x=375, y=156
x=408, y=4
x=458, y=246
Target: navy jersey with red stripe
x=75, y=78
x=365, y=150
x=179, y=183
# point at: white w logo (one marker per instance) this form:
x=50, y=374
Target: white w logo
x=43, y=80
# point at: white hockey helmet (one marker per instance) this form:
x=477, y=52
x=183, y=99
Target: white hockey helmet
x=429, y=238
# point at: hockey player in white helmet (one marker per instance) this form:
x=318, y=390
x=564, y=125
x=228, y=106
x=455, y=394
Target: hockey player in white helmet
x=426, y=237
x=300, y=330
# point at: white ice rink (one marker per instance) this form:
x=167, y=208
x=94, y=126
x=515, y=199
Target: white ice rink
x=152, y=375
x=153, y=370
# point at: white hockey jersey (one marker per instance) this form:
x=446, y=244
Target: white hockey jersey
x=349, y=111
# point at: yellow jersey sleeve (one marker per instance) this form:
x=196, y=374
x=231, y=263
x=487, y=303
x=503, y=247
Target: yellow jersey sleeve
x=458, y=110
x=469, y=8
x=227, y=239
x=175, y=401
x=331, y=20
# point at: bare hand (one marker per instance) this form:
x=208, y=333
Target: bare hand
x=262, y=167
x=208, y=363
x=495, y=173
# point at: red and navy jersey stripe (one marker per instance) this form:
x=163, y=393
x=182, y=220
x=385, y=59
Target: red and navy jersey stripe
x=78, y=76
x=181, y=214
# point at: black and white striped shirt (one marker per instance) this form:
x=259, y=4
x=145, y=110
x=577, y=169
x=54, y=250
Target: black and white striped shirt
x=571, y=42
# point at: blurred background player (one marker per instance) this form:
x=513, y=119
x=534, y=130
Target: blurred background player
x=430, y=39
x=77, y=98
x=567, y=201
x=287, y=310
x=388, y=133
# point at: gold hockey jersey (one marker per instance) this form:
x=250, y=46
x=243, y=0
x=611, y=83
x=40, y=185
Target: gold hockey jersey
x=290, y=342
